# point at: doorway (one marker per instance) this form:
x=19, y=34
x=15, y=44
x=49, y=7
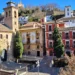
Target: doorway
x=38, y=53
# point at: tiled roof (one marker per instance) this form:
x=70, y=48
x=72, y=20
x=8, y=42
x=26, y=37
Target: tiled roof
x=31, y=23
x=4, y=28
x=67, y=29
x=65, y=19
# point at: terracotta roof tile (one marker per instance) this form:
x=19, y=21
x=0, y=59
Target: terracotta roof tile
x=4, y=28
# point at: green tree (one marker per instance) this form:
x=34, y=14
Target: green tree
x=18, y=46
x=58, y=45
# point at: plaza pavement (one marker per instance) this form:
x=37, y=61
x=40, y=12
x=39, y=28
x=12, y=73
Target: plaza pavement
x=45, y=68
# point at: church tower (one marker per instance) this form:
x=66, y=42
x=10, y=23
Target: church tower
x=20, y=5
x=11, y=16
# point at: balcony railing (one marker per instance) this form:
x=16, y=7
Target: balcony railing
x=37, y=41
x=28, y=35
x=66, y=37
x=73, y=36
x=38, y=47
x=28, y=46
x=73, y=46
x=37, y=34
x=50, y=38
x=67, y=47
x=50, y=46
x=28, y=42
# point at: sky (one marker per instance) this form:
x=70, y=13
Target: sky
x=60, y=3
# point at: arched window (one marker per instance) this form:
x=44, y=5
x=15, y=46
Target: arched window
x=6, y=36
x=1, y=36
x=6, y=14
x=9, y=13
x=15, y=14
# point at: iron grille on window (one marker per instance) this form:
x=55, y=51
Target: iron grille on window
x=67, y=35
x=67, y=46
x=28, y=40
x=28, y=47
x=37, y=46
x=50, y=36
x=73, y=35
x=50, y=28
x=50, y=45
x=74, y=44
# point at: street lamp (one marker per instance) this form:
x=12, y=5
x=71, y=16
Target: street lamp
x=44, y=45
x=38, y=64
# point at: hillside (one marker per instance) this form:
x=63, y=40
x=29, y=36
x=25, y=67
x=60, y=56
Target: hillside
x=36, y=13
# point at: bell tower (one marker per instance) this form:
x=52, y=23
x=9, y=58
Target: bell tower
x=11, y=16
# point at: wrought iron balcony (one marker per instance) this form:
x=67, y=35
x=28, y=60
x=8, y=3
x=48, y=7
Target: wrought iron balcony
x=50, y=46
x=28, y=46
x=73, y=36
x=28, y=41
x=50, y=38
x=67, y=47
x=66, y=37
x=37, y=41
x=73, y=46
x=28, y=35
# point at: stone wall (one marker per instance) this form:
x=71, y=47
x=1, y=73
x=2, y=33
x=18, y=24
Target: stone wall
x=6, y=73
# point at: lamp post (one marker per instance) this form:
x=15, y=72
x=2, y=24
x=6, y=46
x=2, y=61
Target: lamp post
x=44, y=45
x=38, y=64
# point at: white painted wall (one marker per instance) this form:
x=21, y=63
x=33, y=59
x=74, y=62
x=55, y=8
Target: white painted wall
x=68, y=11
x=70, y=23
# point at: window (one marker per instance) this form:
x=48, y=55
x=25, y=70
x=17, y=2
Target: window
x=1, y=36
x=9, y=13
x=50, y=45
x=37, y=46
x=15, y=14
x=67, y=35
x=50, y=36
x=15, y=23
x=29, y=52
x=6, y=14
x=74, y=44
x=68, y=13
x=15, y=29
x=74, y=35
x=67, y=44
x=6, y=36
x=67, y=9
x=28, y=40
x=50, y=28
x=28, y=47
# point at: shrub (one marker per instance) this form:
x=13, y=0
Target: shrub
x=60, y=62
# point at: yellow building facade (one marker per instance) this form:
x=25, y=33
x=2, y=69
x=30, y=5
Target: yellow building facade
x=32, y=38
x=9, y=27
